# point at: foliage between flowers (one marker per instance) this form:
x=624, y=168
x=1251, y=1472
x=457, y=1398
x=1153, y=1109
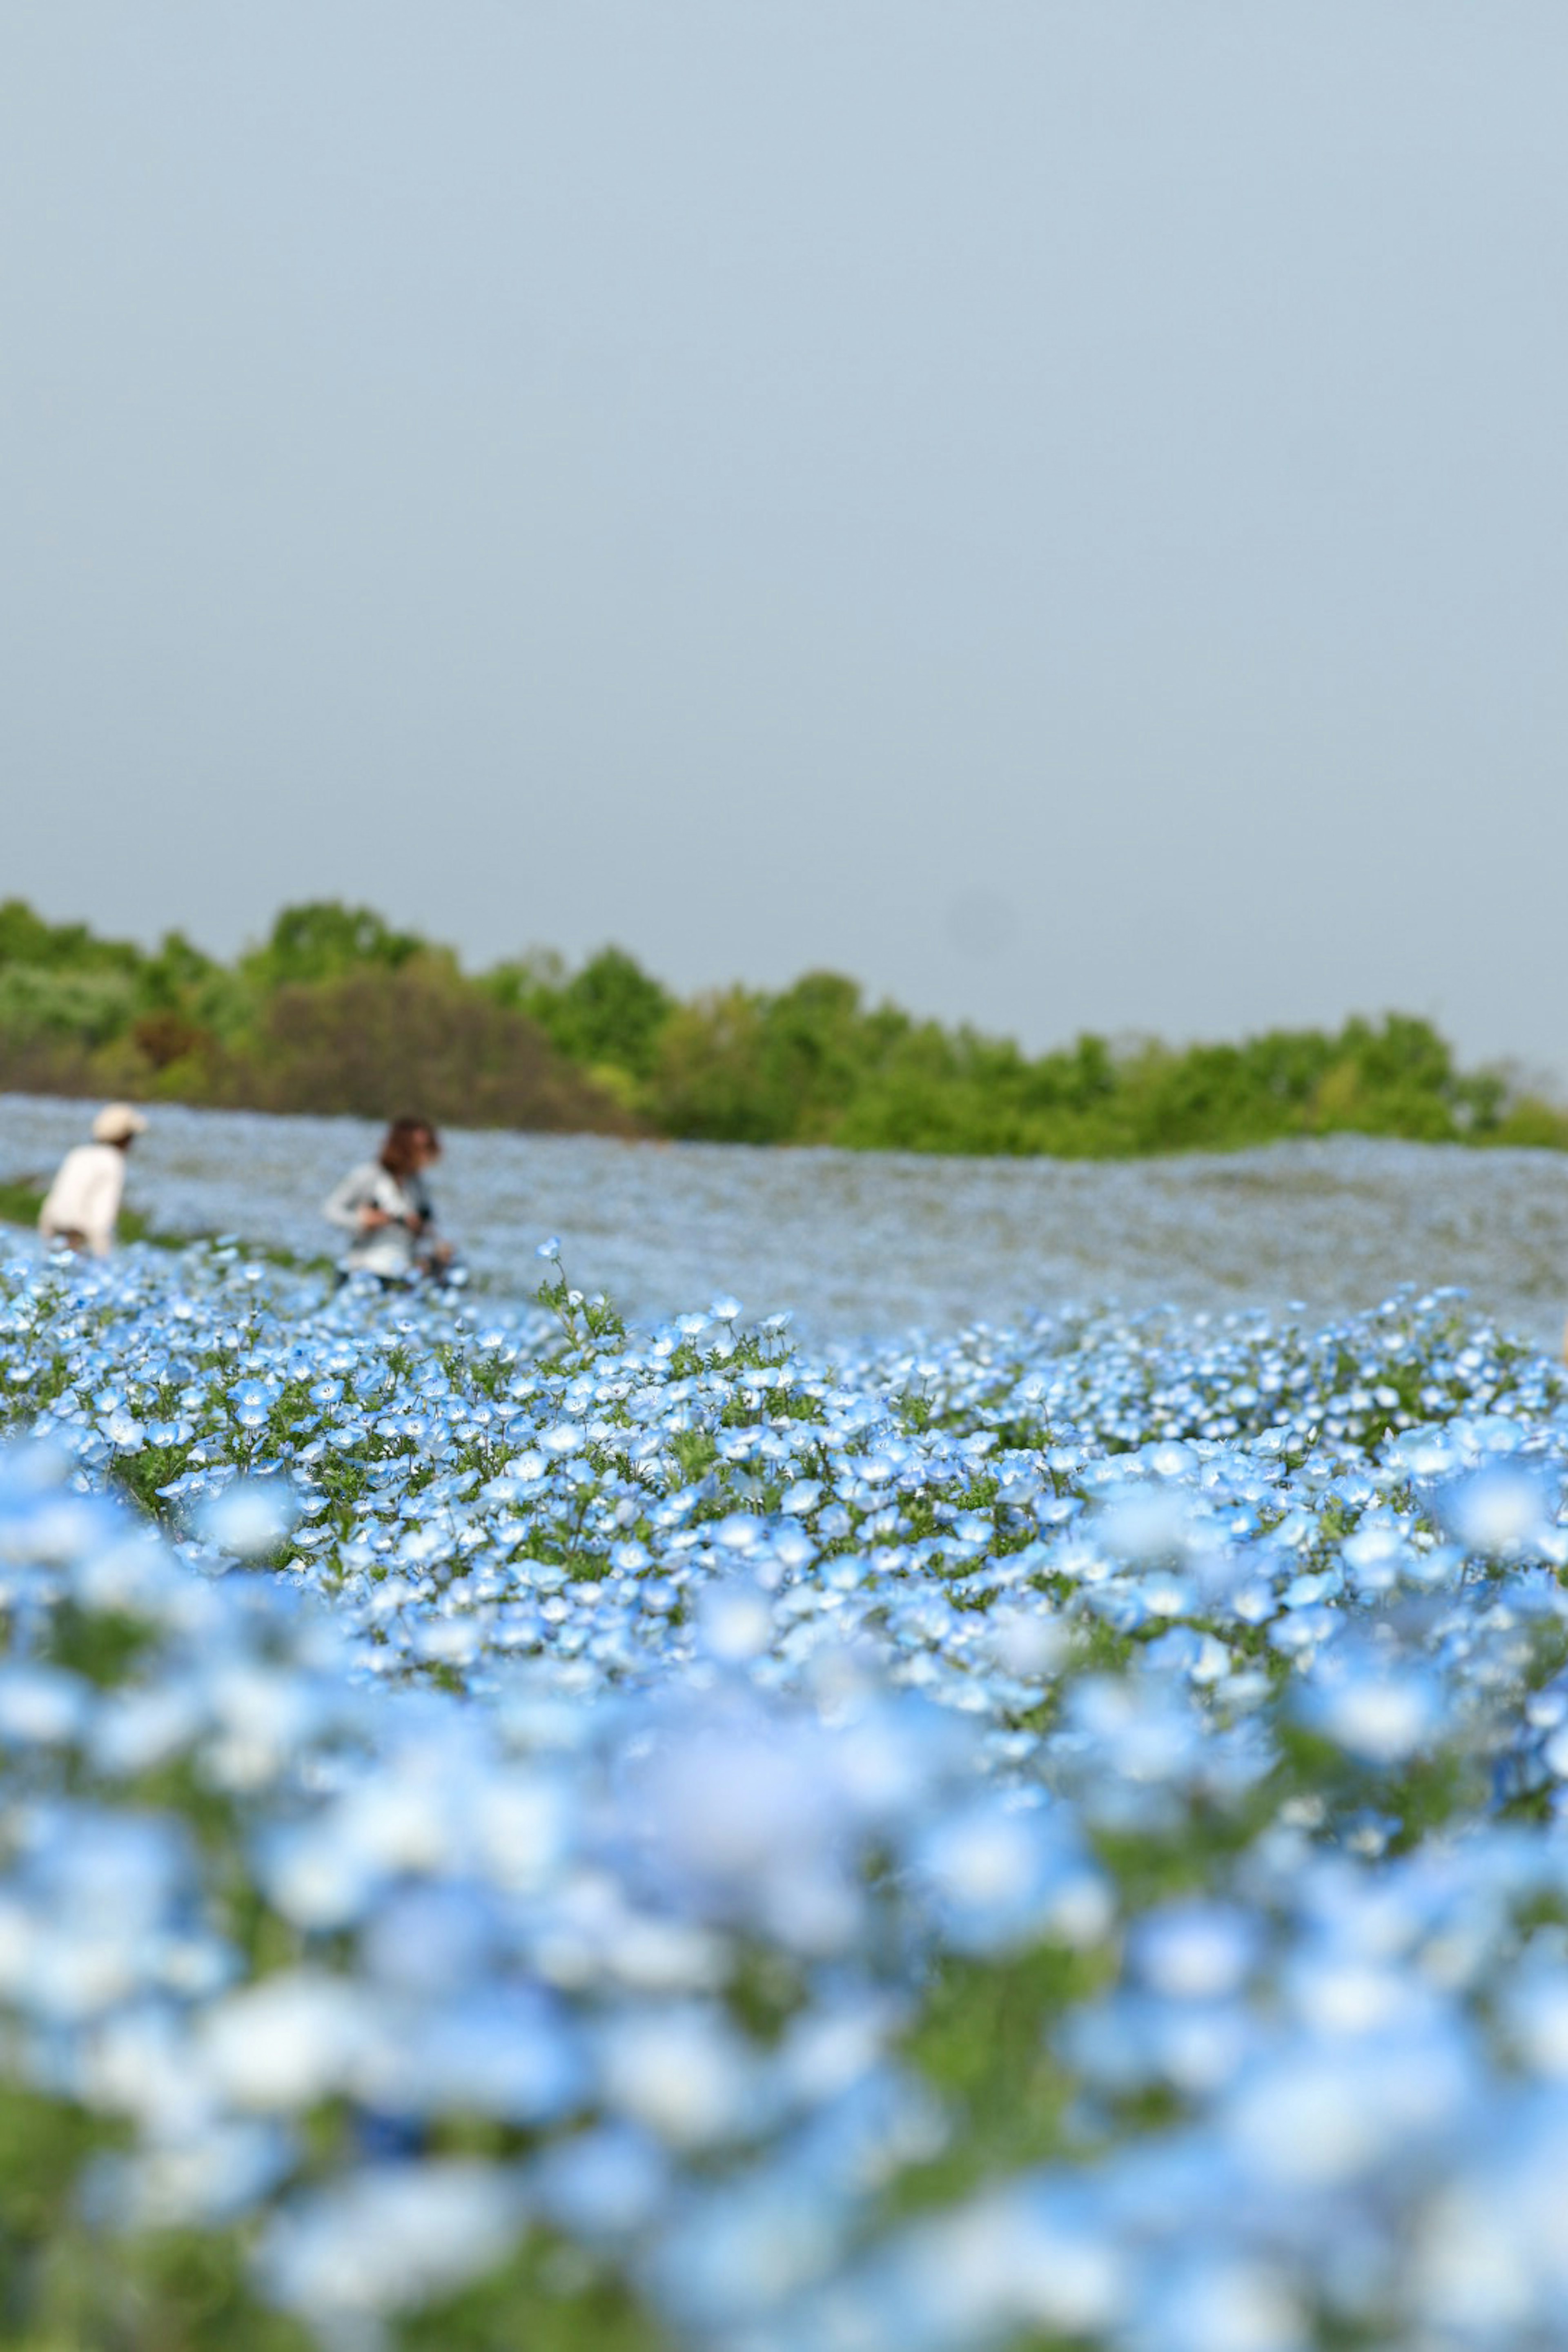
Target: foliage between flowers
x=22, y=1204
x=543, y=1831
x=340, y=1012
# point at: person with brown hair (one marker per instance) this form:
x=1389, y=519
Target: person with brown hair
x=385, y=1205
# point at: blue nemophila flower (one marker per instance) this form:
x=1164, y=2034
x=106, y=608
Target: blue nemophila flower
x=605, y=2185
x=1002, y=1877
x=736, y=1621
x=249, y=1517
x=1503, y=1512
x=1379, y=1711
x=250, y=1403
x=390, y=2237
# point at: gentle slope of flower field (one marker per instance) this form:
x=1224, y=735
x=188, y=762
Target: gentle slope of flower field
x=857, y=1243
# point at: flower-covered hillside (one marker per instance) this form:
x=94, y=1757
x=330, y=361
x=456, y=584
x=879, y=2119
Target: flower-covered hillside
x=542, y=1830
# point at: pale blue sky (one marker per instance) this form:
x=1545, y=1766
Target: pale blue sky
x=1059, y=511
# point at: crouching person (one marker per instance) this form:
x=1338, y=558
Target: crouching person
x=386, y=1206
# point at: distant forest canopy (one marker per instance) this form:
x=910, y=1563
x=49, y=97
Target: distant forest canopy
x=337, y=1011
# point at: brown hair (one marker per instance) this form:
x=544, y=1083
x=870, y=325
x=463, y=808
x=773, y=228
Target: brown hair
x=399, y=1152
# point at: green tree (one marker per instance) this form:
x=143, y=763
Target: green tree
x=610, y=1012
x=26, y=938
x=322, y=938
x=709, y=1082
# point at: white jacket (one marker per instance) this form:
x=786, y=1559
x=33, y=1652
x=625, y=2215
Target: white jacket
x=84, y=1199
x=387, y=1250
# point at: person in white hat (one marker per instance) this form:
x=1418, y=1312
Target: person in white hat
x=83, y=1203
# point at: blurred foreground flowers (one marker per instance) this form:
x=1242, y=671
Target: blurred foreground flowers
x=1049, y=1834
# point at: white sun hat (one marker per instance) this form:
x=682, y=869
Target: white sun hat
x=117, y=1123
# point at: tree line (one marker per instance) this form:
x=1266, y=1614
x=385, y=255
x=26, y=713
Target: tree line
x=338, y=1011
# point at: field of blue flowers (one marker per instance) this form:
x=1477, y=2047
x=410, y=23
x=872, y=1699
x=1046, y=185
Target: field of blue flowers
x=525, y=1831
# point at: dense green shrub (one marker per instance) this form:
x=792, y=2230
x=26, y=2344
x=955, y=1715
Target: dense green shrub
x=43, y=1001
x=380, y=1042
